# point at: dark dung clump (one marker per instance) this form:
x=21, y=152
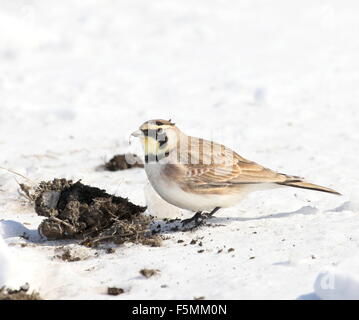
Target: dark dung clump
x=78, y=211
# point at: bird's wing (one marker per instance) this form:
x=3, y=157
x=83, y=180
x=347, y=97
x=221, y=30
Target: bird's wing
x=208, y=167
x=218, y=165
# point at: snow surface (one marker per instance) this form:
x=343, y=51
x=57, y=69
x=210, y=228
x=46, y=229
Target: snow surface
x=275, y=80
x=340, y=282
x=4, y=262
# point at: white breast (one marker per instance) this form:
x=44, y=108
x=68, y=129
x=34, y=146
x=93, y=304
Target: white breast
x=172, y=193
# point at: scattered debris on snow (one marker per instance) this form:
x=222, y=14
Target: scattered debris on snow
x=65, y=254
x=20, y=294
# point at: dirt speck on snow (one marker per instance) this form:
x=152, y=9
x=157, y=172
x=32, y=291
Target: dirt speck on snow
x=65, y=254
x=148, y=273
x=113, y=291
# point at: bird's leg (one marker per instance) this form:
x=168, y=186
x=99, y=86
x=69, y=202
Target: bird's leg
x=210, y=214
x=199, y=218
x=195, y=219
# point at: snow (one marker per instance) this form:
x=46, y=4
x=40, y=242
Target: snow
x=16, y=267
x=340, y=282
x=275, y=81
x=4, y=262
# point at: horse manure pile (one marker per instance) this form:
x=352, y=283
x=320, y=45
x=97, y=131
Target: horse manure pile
x=123, y=162
x=78, y=211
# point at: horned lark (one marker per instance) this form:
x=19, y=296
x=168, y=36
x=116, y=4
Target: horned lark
x=201, y=175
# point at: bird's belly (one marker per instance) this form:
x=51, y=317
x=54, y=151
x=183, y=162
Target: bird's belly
x=171, y=192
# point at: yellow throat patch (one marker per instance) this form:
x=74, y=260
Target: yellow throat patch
x=151, y=145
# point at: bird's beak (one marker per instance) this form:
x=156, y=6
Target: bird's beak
x=137, y=133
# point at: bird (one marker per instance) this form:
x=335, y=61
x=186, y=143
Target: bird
x=201, y=175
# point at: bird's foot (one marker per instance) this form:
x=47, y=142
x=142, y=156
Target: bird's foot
x=196, y=221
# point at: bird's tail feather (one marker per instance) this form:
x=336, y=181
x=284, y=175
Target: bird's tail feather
x=306, y=185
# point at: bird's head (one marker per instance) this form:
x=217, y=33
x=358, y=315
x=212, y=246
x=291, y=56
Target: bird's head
x=158, y=137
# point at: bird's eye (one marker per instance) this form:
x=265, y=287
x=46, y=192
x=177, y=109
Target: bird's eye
x=160, y=131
